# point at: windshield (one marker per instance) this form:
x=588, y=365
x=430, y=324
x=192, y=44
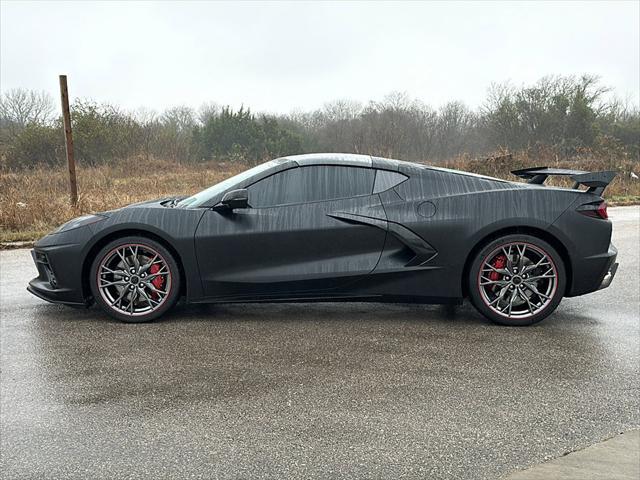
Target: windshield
x=204, y=196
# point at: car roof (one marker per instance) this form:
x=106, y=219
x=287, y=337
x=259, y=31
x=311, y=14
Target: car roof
x=347, y=159
x=356, y=160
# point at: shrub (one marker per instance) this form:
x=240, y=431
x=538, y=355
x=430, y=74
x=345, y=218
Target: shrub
x=36, y=145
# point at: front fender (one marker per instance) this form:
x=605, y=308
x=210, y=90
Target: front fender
x=175, y=228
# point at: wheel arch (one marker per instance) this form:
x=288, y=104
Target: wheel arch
x=540, y=233
x=127, y=232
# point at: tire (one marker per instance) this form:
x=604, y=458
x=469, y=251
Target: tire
x=517, y=280
x=135, y=279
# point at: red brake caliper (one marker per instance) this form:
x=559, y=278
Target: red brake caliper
x=499, y=263
x=158, y=281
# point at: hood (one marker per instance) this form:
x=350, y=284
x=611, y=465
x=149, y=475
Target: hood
x=158, y=202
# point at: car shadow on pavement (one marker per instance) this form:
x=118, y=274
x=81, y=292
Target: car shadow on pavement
x=458, y=315
x=327, y=312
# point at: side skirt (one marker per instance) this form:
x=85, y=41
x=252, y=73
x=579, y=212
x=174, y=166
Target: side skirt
x=364, y=298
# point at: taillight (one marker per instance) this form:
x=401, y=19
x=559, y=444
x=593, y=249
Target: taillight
x=602, y=210
x=595, y=210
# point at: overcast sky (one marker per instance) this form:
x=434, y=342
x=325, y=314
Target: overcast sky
x=281, y=56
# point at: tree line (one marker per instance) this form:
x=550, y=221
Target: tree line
x=568, y=115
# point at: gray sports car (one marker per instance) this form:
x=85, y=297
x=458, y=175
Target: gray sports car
x=332, y=227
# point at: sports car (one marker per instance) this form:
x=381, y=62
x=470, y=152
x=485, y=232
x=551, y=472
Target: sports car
x=336, y=227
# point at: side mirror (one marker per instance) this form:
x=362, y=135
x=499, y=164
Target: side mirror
x=235, y=199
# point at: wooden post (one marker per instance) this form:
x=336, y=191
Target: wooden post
x=66, y=117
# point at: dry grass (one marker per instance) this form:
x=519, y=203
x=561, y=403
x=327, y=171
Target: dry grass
x=623, y=190
x=34, y=202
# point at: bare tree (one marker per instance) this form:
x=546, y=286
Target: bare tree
x=149, y=125
x=177, y=124
x=181, y=118
x=208, y=110
x=20, y=107
x=455, y=121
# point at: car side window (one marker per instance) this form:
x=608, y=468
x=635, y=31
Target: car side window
x=386, y=180
x=311, y=184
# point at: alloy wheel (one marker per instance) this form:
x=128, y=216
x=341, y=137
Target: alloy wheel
x=134, y=279
x=517, y=280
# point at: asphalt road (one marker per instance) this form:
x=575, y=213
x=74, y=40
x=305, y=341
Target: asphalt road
x=315, y=391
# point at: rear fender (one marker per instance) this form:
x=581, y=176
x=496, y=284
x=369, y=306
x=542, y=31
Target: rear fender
x=588, y=243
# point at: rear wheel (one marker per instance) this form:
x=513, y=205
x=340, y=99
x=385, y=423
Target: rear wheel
x=517, y=280
x=135, y=279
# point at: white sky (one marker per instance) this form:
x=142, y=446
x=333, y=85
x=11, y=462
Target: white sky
x=281, y=56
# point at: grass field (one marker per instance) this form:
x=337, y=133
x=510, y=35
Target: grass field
x=34, y=202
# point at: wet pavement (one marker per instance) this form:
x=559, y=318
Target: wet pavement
x=313, y=390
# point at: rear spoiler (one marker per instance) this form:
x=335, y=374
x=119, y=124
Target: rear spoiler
x=596, y=182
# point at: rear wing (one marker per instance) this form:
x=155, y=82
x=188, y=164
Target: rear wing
x=596, y=182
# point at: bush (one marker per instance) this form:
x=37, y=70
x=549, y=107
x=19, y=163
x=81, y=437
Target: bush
x=36, y=145
x=101, y=133
x=241, y=136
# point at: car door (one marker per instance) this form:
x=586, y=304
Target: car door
x=310, y=230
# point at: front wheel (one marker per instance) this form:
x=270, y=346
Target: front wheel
x=517, y=280
x=135, y=279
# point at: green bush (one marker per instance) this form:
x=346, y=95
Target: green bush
x=241, y=136
x=102, y=133
x=36, y=145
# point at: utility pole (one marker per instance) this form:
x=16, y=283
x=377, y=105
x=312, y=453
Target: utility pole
x=66, y=117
